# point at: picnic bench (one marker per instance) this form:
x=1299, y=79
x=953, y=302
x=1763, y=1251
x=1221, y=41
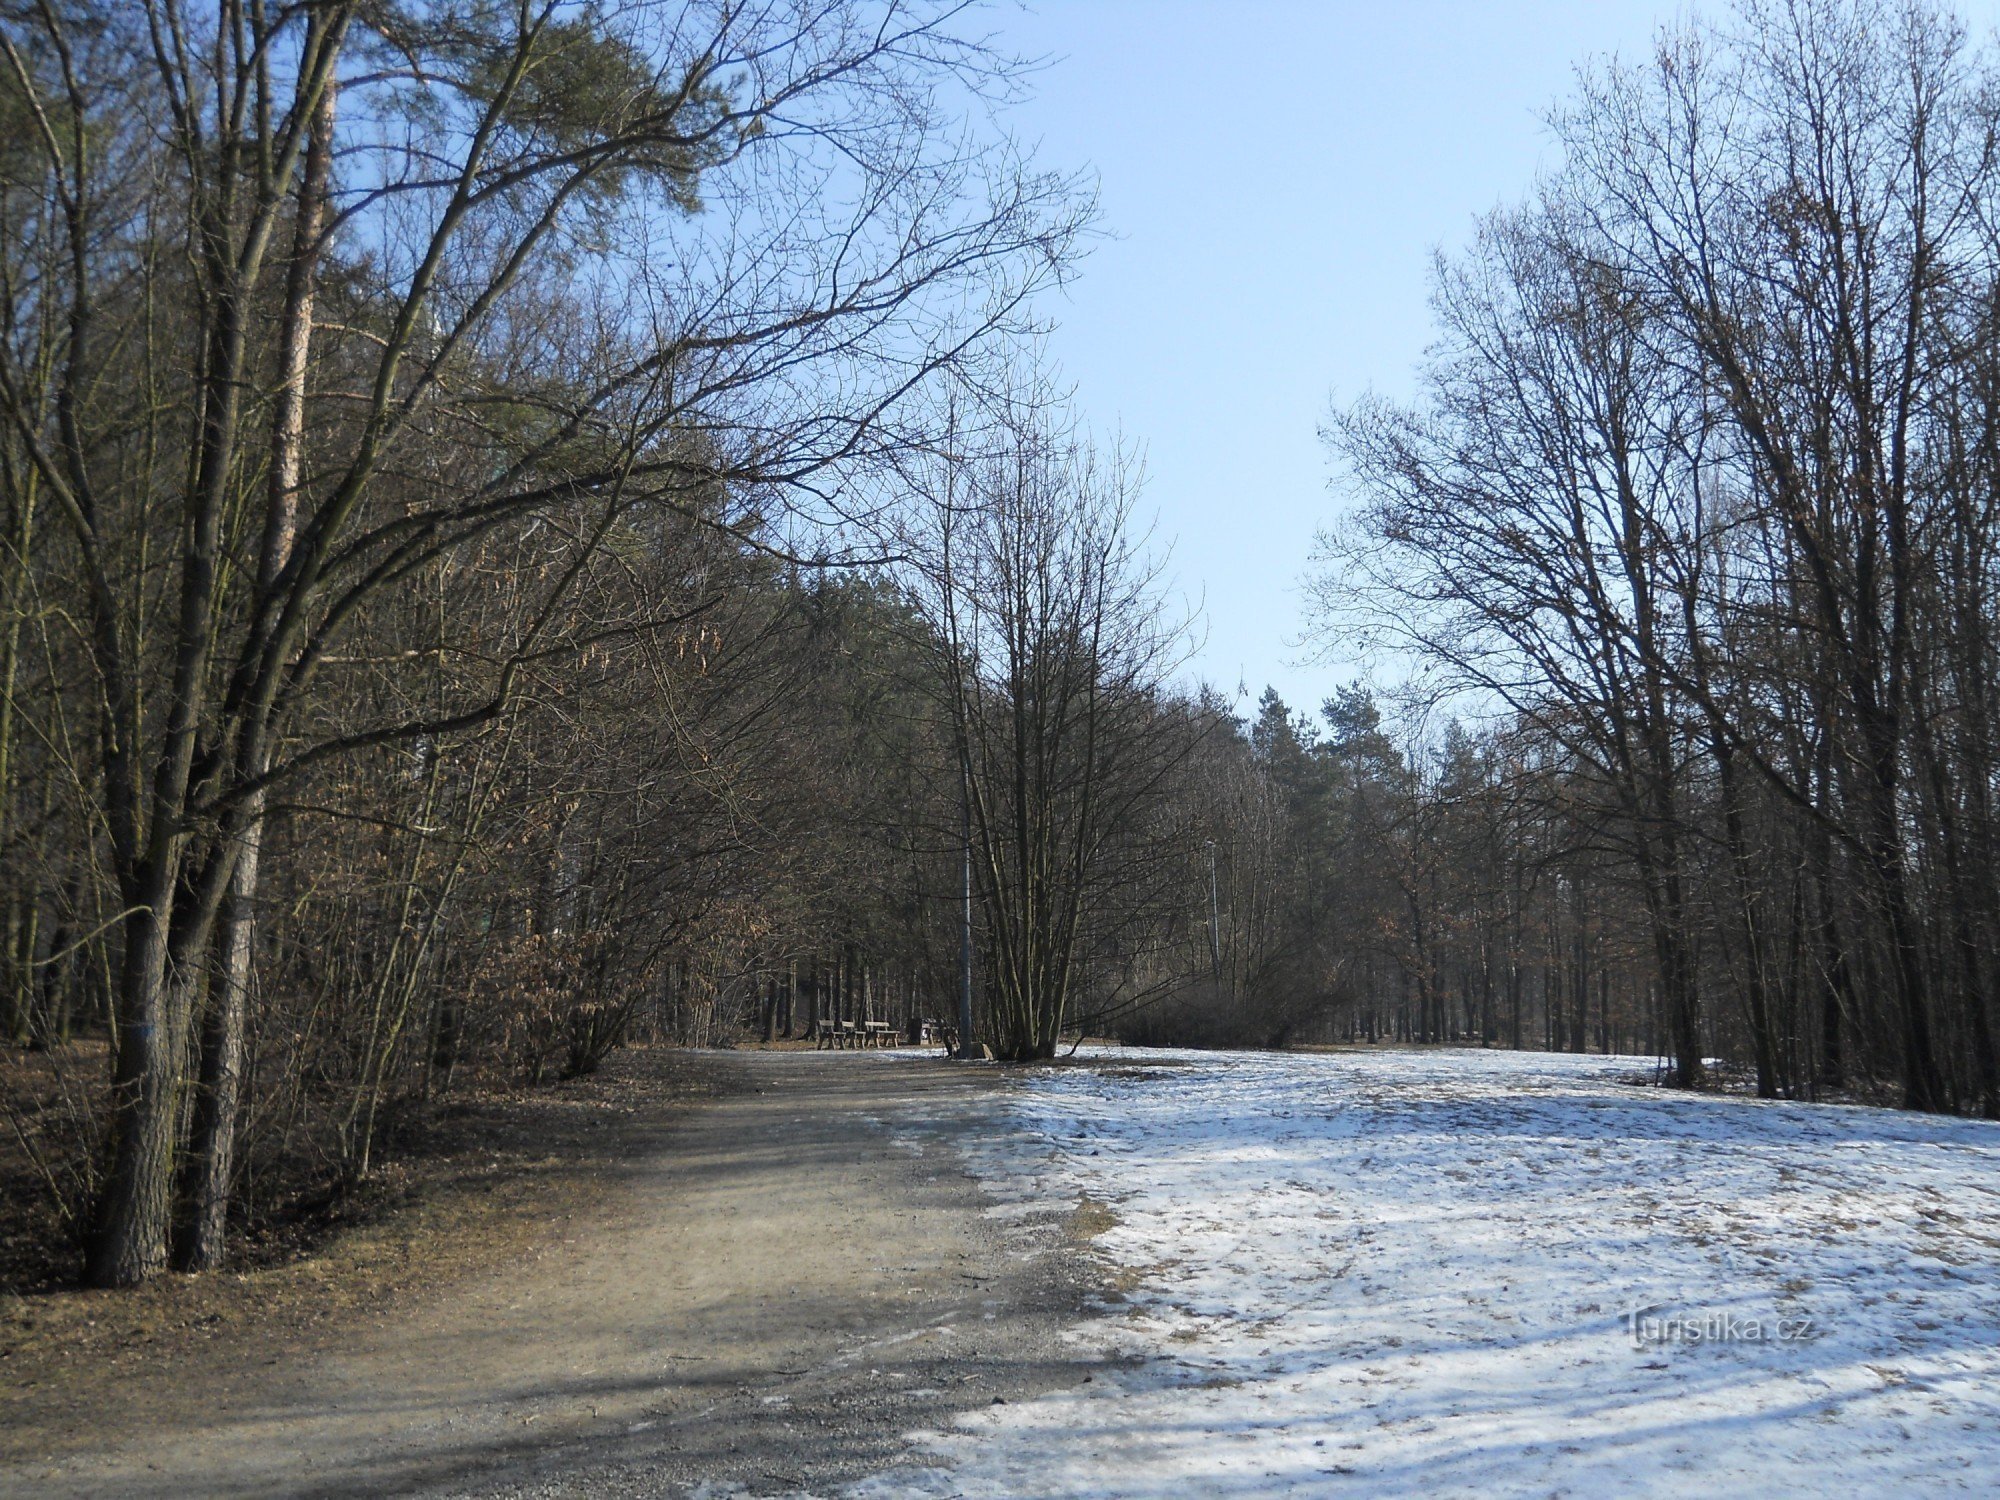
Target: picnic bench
x=927, y=1032
x=856, y=1034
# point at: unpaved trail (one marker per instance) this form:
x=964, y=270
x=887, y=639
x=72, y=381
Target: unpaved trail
x=791, y=1278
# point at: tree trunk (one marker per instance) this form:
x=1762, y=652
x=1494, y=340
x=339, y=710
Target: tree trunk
x=213, y=1153
x=134, y=1209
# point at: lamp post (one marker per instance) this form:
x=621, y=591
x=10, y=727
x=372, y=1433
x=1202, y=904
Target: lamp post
x=965, y=923
x=1214, y=922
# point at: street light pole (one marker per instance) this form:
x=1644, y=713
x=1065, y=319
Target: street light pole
x=1214, y=920
x=965, y=926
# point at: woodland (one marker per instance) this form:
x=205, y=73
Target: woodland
x=526, y=529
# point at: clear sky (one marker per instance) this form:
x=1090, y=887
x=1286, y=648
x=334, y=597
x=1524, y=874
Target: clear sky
x=1278, y=176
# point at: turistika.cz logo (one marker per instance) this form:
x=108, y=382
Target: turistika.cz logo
x=1651, y=1326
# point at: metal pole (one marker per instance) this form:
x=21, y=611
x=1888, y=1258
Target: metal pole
x=965, y=929
x=1214, y=921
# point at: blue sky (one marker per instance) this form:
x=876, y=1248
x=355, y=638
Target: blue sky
x=1278, y=176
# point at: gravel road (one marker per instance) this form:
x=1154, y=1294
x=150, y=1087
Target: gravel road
x=791, y=1278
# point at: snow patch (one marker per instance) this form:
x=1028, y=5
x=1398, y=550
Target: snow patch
x=1422, y=1273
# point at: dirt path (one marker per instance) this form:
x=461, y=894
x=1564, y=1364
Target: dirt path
x=790, y=1278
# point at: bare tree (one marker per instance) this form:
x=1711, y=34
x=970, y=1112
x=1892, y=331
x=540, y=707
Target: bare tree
x=1051, y=652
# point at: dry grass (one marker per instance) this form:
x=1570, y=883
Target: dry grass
x=1089, y=1219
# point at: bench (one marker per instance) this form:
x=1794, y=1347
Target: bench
x=856, y=1034
x=928, y=1032
x=837, y=1034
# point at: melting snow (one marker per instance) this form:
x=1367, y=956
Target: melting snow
x=1419, y=1273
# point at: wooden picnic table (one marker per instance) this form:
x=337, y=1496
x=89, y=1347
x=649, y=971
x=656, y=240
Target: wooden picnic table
x=856, y=1034
x=923, y=1033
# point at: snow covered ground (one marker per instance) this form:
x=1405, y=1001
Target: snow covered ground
x=1421, y=1273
